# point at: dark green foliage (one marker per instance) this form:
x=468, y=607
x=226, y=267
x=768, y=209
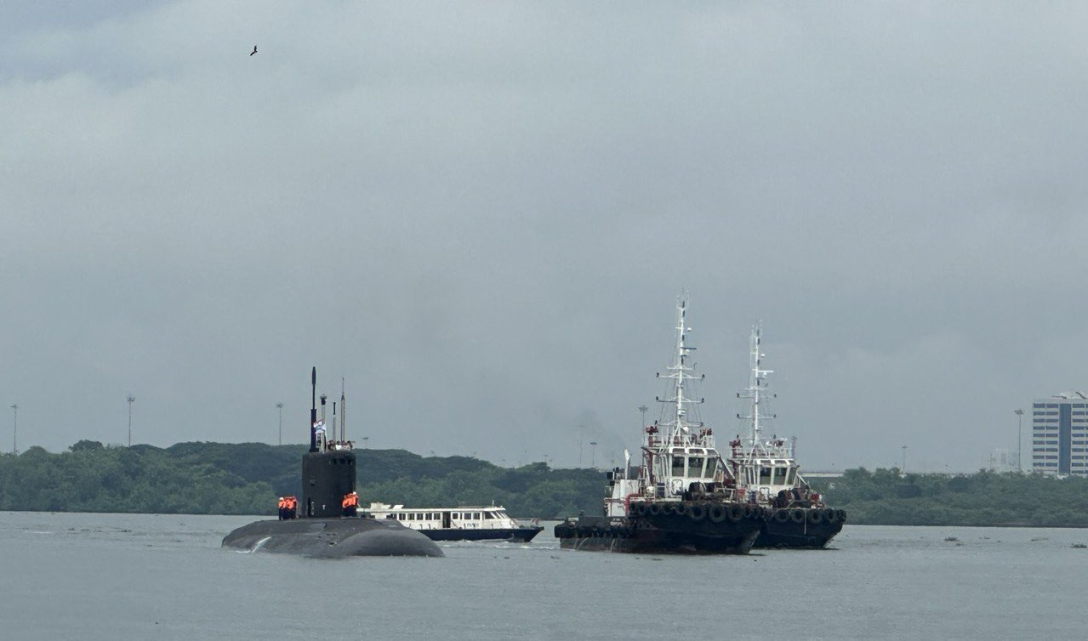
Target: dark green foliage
x=885, y=497
x=92, y=478
x=531, y=490
x=246, y=478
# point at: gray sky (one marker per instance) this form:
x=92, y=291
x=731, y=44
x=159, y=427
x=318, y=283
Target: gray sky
x=480, y=215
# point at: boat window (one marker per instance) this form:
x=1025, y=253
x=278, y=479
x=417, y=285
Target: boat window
x=764, y=475
x=476, y=515
x=792, y=476
x=711, y=468
x=678, y=466
x=695, y=466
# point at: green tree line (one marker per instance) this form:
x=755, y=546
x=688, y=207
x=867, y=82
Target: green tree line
x=246, y=478
x=886, y=497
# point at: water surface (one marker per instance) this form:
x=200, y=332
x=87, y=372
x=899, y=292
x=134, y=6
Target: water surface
x=110, y=576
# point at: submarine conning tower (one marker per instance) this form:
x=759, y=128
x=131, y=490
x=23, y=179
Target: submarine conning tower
x=328, y=469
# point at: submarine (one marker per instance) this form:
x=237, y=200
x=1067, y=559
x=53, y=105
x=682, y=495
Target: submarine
x=325, y=525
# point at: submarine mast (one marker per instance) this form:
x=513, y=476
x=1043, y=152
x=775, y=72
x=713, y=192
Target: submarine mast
x=313, y=409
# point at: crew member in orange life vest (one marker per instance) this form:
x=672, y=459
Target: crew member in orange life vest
x=350, y=503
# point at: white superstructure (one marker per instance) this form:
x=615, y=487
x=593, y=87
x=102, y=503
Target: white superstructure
x=765, y=468
x=678, y=453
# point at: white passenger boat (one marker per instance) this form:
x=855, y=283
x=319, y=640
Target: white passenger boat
x=458, y=523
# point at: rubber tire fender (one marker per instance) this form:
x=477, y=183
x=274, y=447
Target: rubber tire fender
x=716, y=513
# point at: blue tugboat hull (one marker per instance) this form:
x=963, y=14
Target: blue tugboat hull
x=524, y=534
x=801, y=528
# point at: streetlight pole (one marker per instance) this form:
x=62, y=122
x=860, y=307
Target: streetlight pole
x=15, y=428
x=279, y=406
x=131, y=399
x=594, y=450
x=1019, y=437
x=643, y=408
x=581, y=433
x=903, y=470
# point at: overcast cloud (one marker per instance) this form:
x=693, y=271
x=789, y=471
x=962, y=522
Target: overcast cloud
x=480, y=216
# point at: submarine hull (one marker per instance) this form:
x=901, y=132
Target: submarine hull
x=331, y=538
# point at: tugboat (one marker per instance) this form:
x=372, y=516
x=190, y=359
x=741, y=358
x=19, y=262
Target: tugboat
x=767, y=474
x=676, y=501
x=327, y=524
x=459, y=523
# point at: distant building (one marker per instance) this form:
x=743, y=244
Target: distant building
x=1000, y=460
x=1059, y=434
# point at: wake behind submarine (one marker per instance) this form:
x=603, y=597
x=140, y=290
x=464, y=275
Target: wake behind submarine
x=326, y=525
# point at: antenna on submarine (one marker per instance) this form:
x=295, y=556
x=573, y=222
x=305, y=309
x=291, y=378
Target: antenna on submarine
x=343, y=410
x=313, y=409
x=323, y=445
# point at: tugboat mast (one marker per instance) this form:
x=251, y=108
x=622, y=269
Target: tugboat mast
x=757, y=383
x=679, y=427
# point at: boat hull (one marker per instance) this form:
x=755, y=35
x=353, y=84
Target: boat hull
x=525, y=534
x=331, y=538
x=803, y=528
x=677, y=529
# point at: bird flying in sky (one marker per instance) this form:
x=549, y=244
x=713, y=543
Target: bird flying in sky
x=254, y=50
